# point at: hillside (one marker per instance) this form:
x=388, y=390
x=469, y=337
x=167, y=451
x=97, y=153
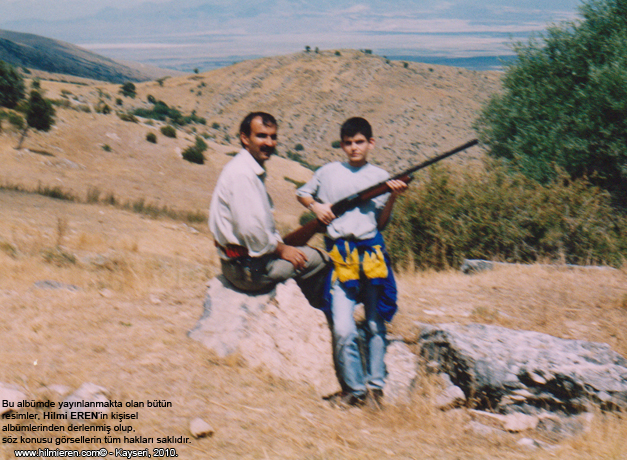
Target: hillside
x=41, y=53
x=417, y=110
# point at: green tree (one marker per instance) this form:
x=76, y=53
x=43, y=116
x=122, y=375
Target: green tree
x=39, y=115
x=11, y=86
x=564, y=102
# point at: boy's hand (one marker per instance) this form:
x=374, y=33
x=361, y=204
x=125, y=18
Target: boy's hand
x=323, y=212
x=397, y=186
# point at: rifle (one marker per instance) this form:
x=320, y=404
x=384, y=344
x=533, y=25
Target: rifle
x=302, y=235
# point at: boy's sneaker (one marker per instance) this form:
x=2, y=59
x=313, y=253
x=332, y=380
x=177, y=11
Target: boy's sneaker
x=346, y=400
x=374, y=399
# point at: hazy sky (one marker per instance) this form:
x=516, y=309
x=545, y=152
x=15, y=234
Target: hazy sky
x=204, y=29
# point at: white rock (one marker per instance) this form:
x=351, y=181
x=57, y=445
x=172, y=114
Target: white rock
x=450, y=398
x=88, y=392
x=402, y=370
x=200, y=429
x=528, y=443
x=520, y=422
x=279, y=331
x=12, y=395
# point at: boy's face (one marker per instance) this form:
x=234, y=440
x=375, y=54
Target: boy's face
x=356, y=148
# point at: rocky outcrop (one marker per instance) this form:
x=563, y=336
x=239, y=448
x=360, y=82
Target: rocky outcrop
x=283, y=333
x=522, y=371
x=278, y=330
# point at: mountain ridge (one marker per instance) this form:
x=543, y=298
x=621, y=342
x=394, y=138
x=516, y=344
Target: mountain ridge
x=55, y=56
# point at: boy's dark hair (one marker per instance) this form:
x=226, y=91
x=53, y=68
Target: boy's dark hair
x=266, y=119
x=354, y=126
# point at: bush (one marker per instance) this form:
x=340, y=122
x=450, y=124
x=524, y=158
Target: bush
x=194, y=153
x=565, y=102
x=40, y=113
x=128, y=89
x=102, y=107
x=162, y=112
x=128, y=117
x=299, y=147
x=168, y=131
x=16, y=120
x=151, y=137
x=336, y=144
x=492, y=214
x=12, y=88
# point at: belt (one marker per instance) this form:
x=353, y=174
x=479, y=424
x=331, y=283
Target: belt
x=233, y=251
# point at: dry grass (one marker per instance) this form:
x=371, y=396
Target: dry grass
x=585, y=304
x=125, y=329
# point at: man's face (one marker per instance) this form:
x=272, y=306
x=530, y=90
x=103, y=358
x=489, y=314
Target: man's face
x=262, y=140
x=356, y=148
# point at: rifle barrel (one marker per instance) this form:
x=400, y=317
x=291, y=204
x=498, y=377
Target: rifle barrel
x=300, y=236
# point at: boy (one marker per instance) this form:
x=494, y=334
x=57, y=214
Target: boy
x=362, y=271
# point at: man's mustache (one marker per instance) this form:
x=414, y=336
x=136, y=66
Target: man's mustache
x=268, y=150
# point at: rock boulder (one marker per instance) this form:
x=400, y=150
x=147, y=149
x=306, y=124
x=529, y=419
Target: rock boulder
x=509, y=370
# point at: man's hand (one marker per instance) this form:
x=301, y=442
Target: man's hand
x=292, y=254
x=323, y=212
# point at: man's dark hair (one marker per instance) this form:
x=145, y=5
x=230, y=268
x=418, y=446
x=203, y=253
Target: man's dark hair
x=266, y=119
x=354, y=126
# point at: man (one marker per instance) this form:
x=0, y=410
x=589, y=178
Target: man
x=362, y=271
x=252, y=253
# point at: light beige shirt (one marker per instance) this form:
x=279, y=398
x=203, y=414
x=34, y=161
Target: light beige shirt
x=241, y=209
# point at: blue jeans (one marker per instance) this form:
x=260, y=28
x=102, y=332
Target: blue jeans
x=371, y=374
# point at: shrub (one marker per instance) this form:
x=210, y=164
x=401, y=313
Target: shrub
x=168, y=131
x=128, y=117
x=151, y=137
x=128, y=89
x=151, y=99
x=162, y=112
x=336, y=144
x=453, y=215
x=12, y=88
x=299, y=147
x=40, y=113
x=103, y=108
x=16, y=120
x=194, y=153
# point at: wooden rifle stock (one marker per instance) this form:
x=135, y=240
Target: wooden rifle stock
x=303, y=234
